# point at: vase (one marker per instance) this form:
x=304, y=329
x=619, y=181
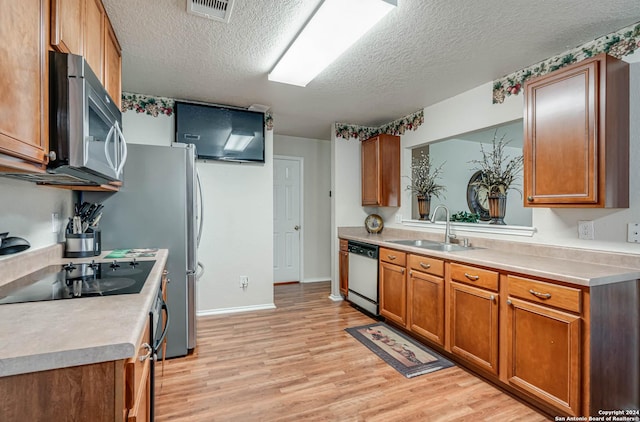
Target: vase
x=497, y=208
x=424, y=206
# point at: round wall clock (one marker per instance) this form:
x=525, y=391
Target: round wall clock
x=478, y=197
x=373, y=223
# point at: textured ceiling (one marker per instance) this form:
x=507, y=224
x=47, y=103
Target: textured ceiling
x=419, y=54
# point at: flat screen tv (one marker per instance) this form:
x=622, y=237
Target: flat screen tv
x=221, y=133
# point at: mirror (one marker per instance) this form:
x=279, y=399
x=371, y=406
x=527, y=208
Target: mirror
x=458, y=152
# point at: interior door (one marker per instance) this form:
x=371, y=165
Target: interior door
x=287, y=225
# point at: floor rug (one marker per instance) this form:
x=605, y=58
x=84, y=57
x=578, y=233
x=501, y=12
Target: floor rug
x=406, y=355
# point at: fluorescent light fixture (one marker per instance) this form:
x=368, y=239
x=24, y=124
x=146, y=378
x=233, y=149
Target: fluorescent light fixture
x=238, y=141
x=335, y=26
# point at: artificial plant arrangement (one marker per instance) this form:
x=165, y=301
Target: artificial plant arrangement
x=498, y=174
x=465, y=217
x=497, y=178
x=423, y=182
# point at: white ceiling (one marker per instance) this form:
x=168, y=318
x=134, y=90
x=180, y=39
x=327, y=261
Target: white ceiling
x=419, y=54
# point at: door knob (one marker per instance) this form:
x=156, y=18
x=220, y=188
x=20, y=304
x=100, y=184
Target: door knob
x=296, y=227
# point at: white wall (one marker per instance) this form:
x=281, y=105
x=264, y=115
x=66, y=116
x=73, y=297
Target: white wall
x=316, y=202
x=237, y=236
x=25, y=211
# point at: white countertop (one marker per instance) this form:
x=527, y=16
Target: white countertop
x=39, y=336
x=574, y=272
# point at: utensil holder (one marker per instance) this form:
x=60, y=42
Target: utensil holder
x=80, y=245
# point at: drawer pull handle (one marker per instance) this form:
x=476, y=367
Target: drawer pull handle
x=391, y=257
x=402, y=271
x=508, y=302
x=540, y=295
x=425, y=266
x=471, y=276
x=492, y=298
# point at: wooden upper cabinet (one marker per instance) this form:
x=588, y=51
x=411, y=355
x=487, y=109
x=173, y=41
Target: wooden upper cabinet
x=94, y=36
x=381, y=171
x=23, y=84
x=576, y=147
x=67, y=31
x=112, y=63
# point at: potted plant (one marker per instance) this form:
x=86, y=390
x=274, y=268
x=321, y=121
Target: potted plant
x=423, y=183
x=498, y=174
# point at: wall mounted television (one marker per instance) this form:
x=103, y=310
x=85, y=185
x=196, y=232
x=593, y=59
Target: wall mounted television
x=221, y=133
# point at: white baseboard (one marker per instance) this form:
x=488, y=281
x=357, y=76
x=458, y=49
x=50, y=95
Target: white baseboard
x=315, y=279
x=337, y=298
x=222, y=311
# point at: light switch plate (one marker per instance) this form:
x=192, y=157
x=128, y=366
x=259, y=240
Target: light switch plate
x=585, y=230
x=633, y=233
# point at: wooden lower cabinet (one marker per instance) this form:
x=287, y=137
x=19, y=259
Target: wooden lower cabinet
x=425, y=299
x=544, y=353
x=107, y=391
x=473, y=325
x=393, y=293
x=344, y=267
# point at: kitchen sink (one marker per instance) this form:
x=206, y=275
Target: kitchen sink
x=434, y=246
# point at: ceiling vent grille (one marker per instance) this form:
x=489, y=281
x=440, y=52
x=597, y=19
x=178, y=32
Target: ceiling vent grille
x=219, y=10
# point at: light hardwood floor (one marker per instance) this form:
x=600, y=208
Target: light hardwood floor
x=296, y=363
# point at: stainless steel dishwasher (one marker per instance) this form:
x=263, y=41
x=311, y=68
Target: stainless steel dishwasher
x=363, y=276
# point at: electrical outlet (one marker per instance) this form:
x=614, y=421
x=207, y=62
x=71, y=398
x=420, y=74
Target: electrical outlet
x=585, y=230
x=633, y=233
x=398, y=217
x=244, y=281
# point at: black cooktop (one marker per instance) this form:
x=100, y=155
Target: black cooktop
x=74, y=281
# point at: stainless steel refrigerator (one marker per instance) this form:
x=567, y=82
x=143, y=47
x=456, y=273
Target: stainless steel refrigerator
x=160, y=206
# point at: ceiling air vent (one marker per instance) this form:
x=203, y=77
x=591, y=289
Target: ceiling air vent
x=219, y=10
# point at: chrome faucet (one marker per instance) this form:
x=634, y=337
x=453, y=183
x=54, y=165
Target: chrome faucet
x=447, y=228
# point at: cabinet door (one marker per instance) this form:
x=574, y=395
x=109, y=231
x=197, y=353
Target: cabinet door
x=112, y=63
x=473, y=314
x=344, y=273
x=543, y=355
x=371, y=171
x=393, y=293
x=67, y=31
x=426, y=306
x=23, y=82
x=561, y=138
x=94, y=36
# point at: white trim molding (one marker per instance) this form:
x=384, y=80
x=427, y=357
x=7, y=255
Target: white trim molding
x=338, y=298
x=316, y=279
x=524, y=231
x=223, y=311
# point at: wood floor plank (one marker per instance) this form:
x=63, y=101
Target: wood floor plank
x=296, y=363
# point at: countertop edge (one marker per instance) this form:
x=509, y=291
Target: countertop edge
x=618, y=274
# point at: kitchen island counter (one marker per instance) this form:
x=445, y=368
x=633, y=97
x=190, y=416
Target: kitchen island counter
x=40, y=336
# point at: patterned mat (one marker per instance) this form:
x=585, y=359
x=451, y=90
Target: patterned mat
x=406, y=355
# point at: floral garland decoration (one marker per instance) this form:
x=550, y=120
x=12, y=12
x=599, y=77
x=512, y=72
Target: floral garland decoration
x=617, y=44
x=155, y=106
x=397, y=127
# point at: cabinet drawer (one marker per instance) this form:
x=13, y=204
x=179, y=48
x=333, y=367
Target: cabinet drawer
x=426, y=265
x=562, y=297
x=393, y=256
x=475, y=276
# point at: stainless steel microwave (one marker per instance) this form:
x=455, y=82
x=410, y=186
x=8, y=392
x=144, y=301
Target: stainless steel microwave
x=86, y=143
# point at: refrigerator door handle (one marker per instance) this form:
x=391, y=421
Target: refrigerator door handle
x=201, y=272
x=201, y=211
